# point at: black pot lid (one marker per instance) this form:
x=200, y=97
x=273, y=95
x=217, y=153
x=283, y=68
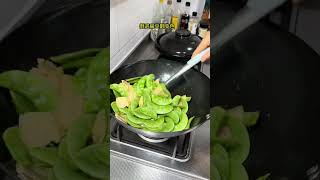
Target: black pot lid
x=180, y=43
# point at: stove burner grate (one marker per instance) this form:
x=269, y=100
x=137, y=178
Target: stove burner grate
x=177, y=148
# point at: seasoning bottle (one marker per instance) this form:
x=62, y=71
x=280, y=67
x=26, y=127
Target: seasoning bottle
x=193, y=23
x=203, y=28
x=169, y=11
x=185, y=17
x=158, y=17
x=176, y=15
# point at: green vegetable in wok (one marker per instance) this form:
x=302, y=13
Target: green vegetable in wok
x=45, y=154
x=37, y=89
x=146, y=103
x=96, y=79
x=22, y=104
x=17, y=148
x=84, y=62
x=73, y=56
x=230, y=143
x=88, y=161
x=77, y=137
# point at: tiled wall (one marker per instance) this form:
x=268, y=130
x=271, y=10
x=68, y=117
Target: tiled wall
x=125, y=35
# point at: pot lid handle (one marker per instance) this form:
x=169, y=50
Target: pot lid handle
x=183, y=33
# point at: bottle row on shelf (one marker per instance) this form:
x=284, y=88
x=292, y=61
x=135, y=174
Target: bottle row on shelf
x=180, y=17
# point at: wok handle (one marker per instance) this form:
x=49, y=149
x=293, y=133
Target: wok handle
x=250, y=14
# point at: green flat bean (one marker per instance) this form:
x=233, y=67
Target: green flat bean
x=84, y=62
x=96, y=79
x=51, y=175
x=134, y=119
x=120, y=89
x=146, y=97
x=80, y=79
x=154, y=124
x=134, y=125
x=160, y=100
x=47, y=155
x=162, y=109
x=176, y=100
x=149, y=81
x=139, y=113
x=124, y=110
x=182, y=124
x=237, y=171
x=174, y=115
x=229, y=133
x=16, y=147
x=186, y=98
x=101, y=152
x=218, y=115
x=21, y=103
x=79, y=133
x=221, y=161
x=63, y=171
x=141, y=83
x=165, y=90
x=133, y=80
x=90, y=163
x=115, y=107
x=168, y=125
x=63, y=153
x=238, y=130
x=178, y=110
x=148, y=112
x=37, y=89
x=64, y=58
x=183, y=105
x=189, y=122
x=134, y=104
x=215, y=172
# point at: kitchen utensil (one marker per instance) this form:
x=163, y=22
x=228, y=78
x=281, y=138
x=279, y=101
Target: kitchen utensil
x=192, y=62
x=192, y=83
x=248, y=15
x=272, y=71
x=178, y=45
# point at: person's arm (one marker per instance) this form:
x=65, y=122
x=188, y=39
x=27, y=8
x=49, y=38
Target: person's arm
x=202, y=46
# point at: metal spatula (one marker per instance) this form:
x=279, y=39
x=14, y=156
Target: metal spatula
x=192, y=62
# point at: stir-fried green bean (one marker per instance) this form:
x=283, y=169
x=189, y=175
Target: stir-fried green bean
x=230, y=142
x=146, y=103
x=78, y=149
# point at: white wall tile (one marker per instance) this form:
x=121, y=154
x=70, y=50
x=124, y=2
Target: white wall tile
x=125, y=18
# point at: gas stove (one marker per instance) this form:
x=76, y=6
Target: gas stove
x=183, y=157
x=178, y=148
x=136, y=157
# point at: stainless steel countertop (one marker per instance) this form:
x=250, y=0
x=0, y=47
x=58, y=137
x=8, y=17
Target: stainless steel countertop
x=133, y=163
x=129, y=162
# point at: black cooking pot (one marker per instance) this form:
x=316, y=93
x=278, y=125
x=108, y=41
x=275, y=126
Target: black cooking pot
x=178, y=45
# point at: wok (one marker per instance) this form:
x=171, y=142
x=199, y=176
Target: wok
x=269, y=70
x=192, y=83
